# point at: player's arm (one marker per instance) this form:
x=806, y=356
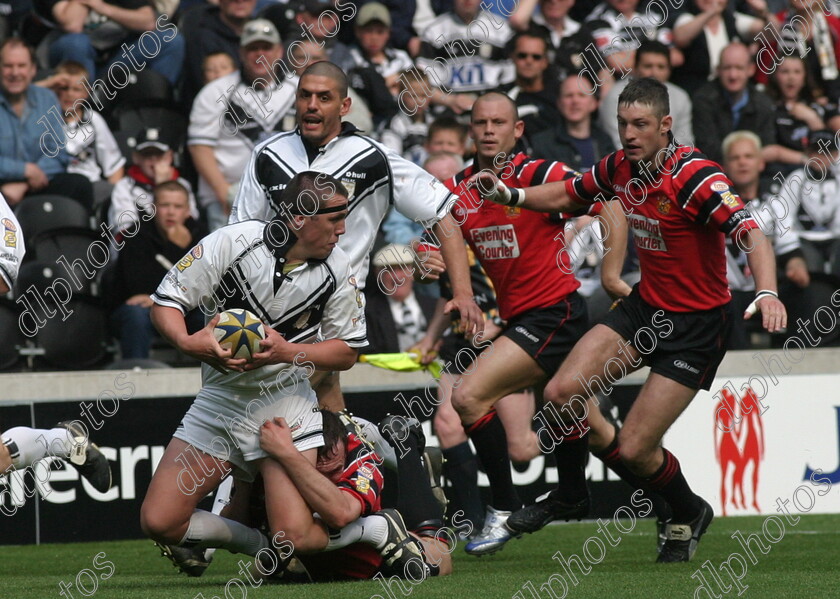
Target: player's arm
x=12, y=248
x=762, y=263
x=458, y=268
x=614, y=226
x=335, y=507
x=426, y=348
x=332, y=354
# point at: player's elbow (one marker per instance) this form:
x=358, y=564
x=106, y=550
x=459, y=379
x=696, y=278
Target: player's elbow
x=346, y=359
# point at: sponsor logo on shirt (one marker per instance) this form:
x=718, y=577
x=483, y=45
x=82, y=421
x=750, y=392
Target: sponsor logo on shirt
x=10, y=233
x=195, y=254
x=720, y=186
x=728, y=199
x=663, y=205
x=647, y=233
x=495, y=243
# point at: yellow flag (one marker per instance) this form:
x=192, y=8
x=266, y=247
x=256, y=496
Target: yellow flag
x=401, y=362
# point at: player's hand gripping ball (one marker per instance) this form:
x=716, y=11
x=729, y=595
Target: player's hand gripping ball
x=240, y=331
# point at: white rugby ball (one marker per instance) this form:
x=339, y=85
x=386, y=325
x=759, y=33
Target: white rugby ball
x=239, y=331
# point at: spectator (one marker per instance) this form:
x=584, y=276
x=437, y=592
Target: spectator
x=810, y=32
x=322, y=22
x=91, y=146
x=396, y=316
x=32, y=157
x=208, y=29
x=576, y=140
x=233, y=114
x=743, y=164
x=470, y=42
x=569, y=39
x=731, y=102
x=447, y=135
x=407, y=131
x=618, y=28
x=653, y=59
x=152, y=158
x=706, y=29
x=372, y=27
x=105, y=34
x=533, y=88
x=157, y=245
x=798, y=113
x=217, y=65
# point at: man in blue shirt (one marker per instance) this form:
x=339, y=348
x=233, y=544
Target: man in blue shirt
x=32, y=155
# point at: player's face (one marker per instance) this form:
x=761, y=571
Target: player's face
x=319, y=109
x=654, y=65
x=494, y=128
x=171, y=208
x=319, y=234
x=332, y=466
x=743, y=163
x=17, y=70
x=642, y=133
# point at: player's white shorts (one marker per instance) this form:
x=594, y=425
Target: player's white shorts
x=226, y=426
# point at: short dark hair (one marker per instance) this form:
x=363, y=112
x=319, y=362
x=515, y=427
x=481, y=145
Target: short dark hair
x=334, y=433
x=19, y=42
x=447, y=123
x=648, y=91
x=325, y=68
x=307, y=193
x=171, y=186
x=532, y=33
x=499, y=96
x=652, y=47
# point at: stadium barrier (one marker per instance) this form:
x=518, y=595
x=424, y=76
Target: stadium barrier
x=741, y=450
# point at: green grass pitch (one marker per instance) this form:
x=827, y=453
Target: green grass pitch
x=800, y=564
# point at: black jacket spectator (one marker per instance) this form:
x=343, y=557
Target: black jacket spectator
x=556, y=144
x=205, y=33
x=381, y=328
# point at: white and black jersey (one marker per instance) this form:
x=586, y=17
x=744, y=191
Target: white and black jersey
x=93, y=150
x=473, y=54
x=244, y=266
x=12, y=248
x=375, y=177
x=396, y=61
x=614, y=33
x=233, y=118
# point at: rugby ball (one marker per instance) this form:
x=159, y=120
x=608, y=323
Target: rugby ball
x=239, y=331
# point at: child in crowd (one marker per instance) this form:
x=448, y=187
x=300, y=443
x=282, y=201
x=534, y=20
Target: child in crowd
x=152, y=158
x=217, y=65
x=406, y=133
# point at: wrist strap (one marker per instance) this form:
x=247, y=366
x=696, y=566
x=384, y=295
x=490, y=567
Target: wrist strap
x=517, y=196
x=763, y=292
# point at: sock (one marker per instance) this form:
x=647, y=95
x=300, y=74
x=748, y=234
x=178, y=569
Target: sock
x=210, y=530
x=372, y=530
x=609, y=455
x=669, y=482
x=28, y=445
x=488, y=435
x=461, y=470
x=417, y=503
x=571, y=455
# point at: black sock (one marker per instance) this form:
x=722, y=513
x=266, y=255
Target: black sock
x=461, y=470
x=669, y=482
x=609, y=455
x=570, y=455
x=488, y=436
x=416, y=502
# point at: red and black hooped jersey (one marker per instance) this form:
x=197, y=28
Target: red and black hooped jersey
x=679, y=217
x=520, y=250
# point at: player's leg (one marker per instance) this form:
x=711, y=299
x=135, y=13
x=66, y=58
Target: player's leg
x=168, y=515
x=659, y=404
x=23, y=446
x=502, y=370
x=327, y=386
x=517, y=413
x=460, y=466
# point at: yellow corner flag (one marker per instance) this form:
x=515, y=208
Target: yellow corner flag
x=401, y=362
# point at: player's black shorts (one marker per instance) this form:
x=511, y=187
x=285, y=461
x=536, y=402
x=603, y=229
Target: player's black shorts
x=686, y=347
x=457, y=353
x=549, y=334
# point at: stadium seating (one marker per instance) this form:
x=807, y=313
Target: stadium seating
x=67, y=245
x=41, y=213
x=11, y=335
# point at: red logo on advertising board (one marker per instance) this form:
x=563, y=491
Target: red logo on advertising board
x=739, y=449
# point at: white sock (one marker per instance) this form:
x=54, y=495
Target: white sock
x=28, y=445
x=372, y=530
x=210, y=530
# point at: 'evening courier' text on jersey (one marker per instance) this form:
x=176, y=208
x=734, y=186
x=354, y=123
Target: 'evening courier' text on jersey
x=244, y=266
x=679, y=217
x=521, y=250
x=375, y=177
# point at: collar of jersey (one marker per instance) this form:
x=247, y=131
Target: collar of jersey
x=347, y=128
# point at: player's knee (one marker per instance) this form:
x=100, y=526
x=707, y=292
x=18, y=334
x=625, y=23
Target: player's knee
x=524, y=448
x=448, y=429
x=159, y=526
x=634, y=453
x=558, y=393
x=462, y=401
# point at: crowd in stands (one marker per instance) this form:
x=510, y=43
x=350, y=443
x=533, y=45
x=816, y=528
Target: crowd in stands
x=145, y=113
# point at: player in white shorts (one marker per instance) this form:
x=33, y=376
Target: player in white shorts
x=290, y=274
